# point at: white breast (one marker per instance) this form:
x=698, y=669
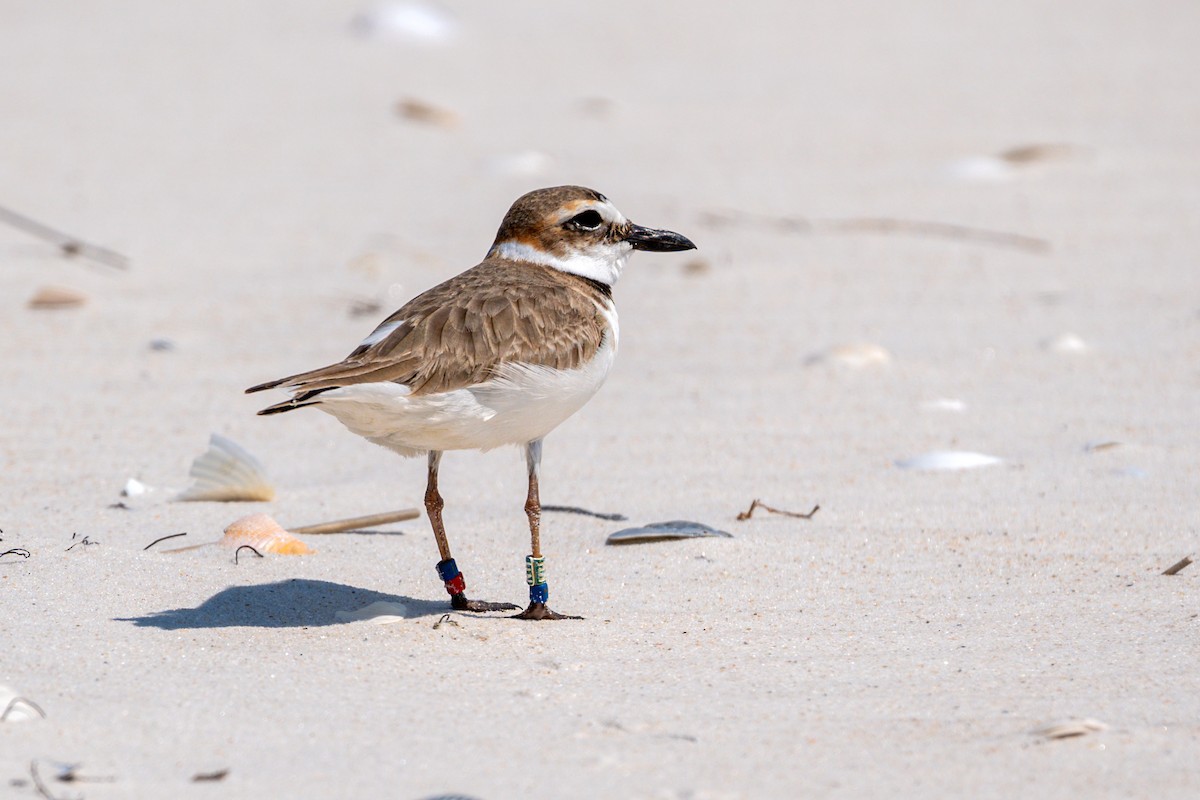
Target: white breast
x=523, y=402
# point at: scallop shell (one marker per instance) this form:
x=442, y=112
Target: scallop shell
x=226, y=471
x=265, y=535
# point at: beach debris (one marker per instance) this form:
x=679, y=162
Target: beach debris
x=133, y=488
x=1068, y=344
x=1072, y=728
x=249, y=547
x=446, y=619
x=610, y=516
x=120, y=506
x=359, y=523
x=879, y=225
x=525, y=163
x=85, y=541
x=16, y=551
x=948, y=460
x=381, y=612
x=665, y=532
x=696, y=267
x=945, y=404
x=263, y=534
x=161, y=345
x=1009, y=163
x=55, y=297
x=1033, y=153
x=163, y=539
x=15, y=708
x=1101, y=446
x=859, y=355
x=68, y=245
x=417, y=23
x=210, y=777
x=1178, y=566
x=427, y=113
x=756, y=503
x=227, y=472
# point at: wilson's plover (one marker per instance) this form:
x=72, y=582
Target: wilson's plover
x=500, y=354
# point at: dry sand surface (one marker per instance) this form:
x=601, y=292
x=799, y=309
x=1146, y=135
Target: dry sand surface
x=253, y=163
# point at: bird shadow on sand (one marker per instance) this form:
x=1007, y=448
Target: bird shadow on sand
x=295, y=603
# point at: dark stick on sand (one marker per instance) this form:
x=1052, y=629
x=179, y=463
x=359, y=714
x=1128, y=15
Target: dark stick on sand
x=1178, y=566
x=614, y=517
x=66, y=243
x=749, y=512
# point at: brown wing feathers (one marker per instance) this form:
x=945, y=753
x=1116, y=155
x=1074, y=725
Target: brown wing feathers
x=458, y=332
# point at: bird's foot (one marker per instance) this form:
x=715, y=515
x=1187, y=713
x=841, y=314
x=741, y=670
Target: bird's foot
x=459, y=602
x=540, y=611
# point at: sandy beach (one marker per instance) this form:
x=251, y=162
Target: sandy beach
x=928, y=233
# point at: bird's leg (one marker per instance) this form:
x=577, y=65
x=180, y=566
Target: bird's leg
x=456, y=585
x=535, y=565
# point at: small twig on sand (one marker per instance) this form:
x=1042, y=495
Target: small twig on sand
x=163, y=539
x=614, y=517
x=67, y=244
x=1178, y=566
x=884, y=225
x=16, y=551
x=244, y=547
x=358, y=523
x=216, y=775
x=749, y=512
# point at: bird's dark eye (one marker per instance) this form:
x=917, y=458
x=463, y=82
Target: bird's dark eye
x=588, y=220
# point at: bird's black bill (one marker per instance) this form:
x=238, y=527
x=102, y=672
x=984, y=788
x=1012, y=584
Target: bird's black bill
x=657, y=241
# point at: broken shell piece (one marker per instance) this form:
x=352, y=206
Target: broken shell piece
x=227, y=472
x=859, y=355
x=1070, y=728
x=133, y=488
x=947, y=460
x=665, y=532
x=265, y=535
x=420, y=111
x=406, y=22
x=381, y=612
x=49, y=297
x=1067, y=344
x=14, y=708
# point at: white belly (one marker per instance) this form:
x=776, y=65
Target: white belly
x=521, y=404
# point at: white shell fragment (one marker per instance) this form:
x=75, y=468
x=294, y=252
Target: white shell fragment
x=948, y=460
x=945, y=404
x=423, y=23
x=227, y=472
x=381, y=612
x=857, y=355
x=15, y=708
x=665, y=532
x=134, y=488
x=1071, y=728
x=1066, y=344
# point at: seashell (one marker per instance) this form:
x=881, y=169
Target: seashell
x=381, y=612
x=948, y=460
x=15, y=708
x=227, y=472
x=1070, y=728
x=665, y=532
x=1067, y=344
x=856, y=356
x=427, y=113
x=945, y=404
x=265, y=535
x=50, y=297
x=409, y=22
x=134, y=488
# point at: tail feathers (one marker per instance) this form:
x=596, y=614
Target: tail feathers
x=298, y=401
